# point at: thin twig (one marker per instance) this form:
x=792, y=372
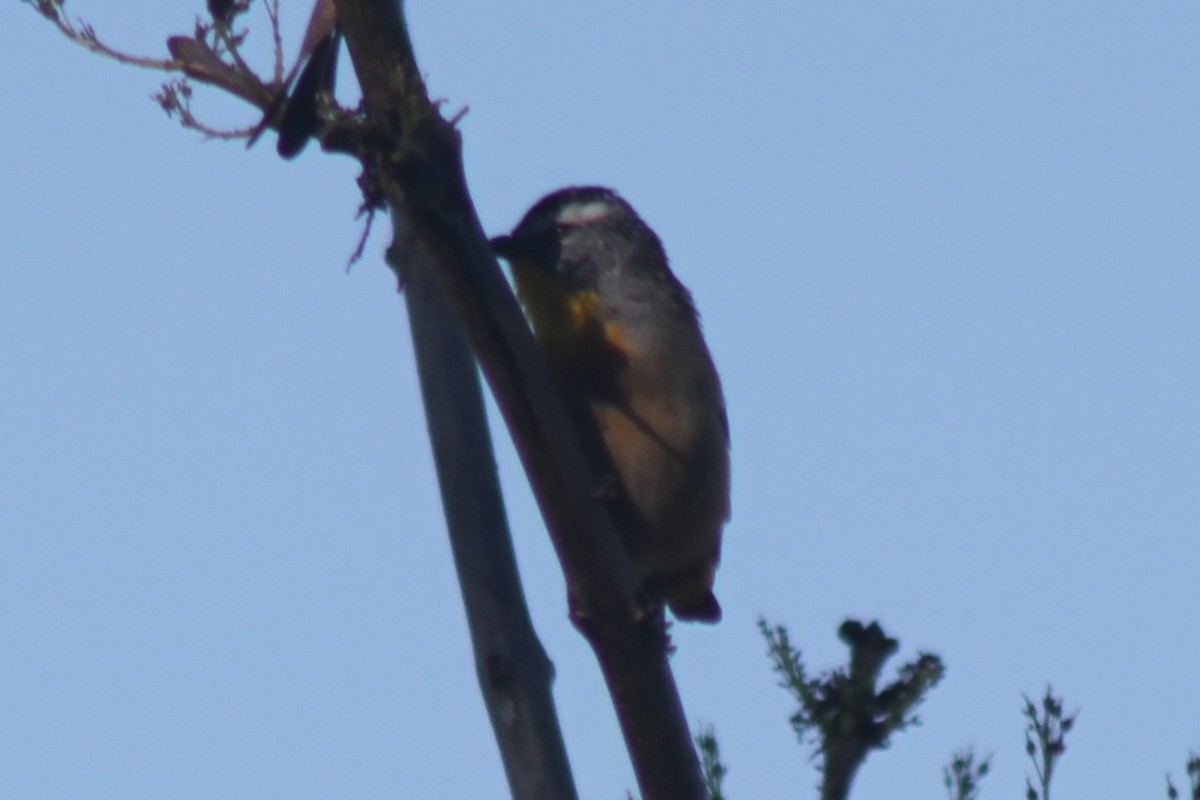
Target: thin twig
x=357, y=255
x=231, y=46
x=272, y=7
x=84, y=34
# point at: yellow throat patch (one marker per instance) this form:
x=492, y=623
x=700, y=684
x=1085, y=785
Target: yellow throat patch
x=563, y=319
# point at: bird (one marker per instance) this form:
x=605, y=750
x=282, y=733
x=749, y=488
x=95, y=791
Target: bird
x=622, y=336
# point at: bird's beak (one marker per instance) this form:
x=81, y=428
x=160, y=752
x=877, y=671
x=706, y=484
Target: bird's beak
x=503, y=246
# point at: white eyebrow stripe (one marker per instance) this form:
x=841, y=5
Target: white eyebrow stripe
x=583, y=213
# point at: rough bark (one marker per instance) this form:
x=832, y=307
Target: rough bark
x=514, y=673
x=415, y=161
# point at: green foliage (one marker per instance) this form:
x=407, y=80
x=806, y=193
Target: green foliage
x=1045, y=740
x=710, y=762
x=840, y=711
x=963, y=776
x=842, y=716
x=1193, y=773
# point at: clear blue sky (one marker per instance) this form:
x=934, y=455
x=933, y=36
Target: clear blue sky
x=948, y=260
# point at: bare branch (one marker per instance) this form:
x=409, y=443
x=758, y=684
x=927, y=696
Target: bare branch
x=417, y=159
x=513, y=670
x=199, y=61
x=83, y=34
x=272, y=7
x=192, y=55
x=369, y=212
x=211, y=55
x=175, y=98
x=230, y=43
